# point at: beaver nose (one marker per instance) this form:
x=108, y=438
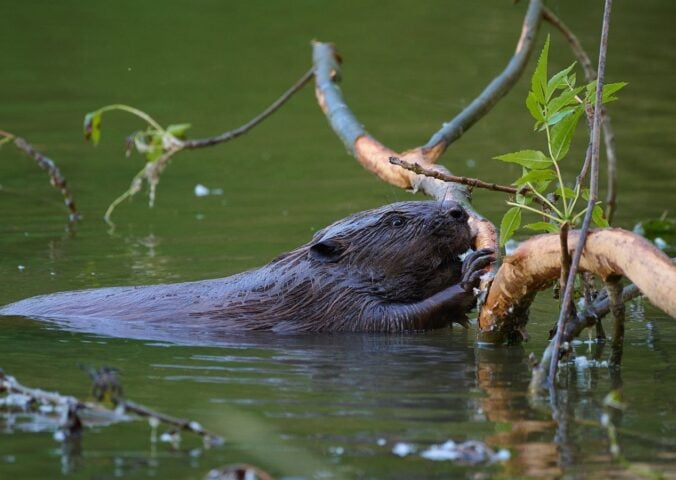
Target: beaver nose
x=458, y=213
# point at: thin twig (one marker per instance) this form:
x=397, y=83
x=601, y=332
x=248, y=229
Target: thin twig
x=152, y=170
x=56, y=179
x=229, y=135
x=608, y=133
x=565, y=256
x=468, y=181
x=374, y=156
x=593, y=192
x=498, y=87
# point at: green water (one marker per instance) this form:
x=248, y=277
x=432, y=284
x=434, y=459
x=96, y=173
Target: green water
x=320, y=406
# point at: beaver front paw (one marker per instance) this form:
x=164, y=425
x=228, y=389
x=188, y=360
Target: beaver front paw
x=473, y=268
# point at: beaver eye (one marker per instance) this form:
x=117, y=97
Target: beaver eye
x=397, y=221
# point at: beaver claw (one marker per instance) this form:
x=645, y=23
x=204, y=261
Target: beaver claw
x=473, y=268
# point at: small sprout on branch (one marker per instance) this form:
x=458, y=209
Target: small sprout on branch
x=155, y=143
x=158, y=144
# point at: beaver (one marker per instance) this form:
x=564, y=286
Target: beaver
x=391, y=269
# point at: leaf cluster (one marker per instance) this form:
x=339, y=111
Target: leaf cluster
x=556, y=104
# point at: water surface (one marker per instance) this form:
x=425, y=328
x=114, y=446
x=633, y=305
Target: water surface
x=330, y=406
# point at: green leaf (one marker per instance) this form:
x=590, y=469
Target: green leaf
x=559, y=80
x=528, y=158
x=510, y=222
x=562, y=134
x=570, y=193
x=92, y=127
x=542, y=185
x=612, y=88
x=542, y=227
x=572, y=78
x=534, y=108
x=608, y=90
x=566, y=98
x=535, y=176
x=557, y=117
x=598, y=218
x=178, y=130
x=153, y=154
x=539, y=79
x=524, y=199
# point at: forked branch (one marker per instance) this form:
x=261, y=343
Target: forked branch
x=374, y=156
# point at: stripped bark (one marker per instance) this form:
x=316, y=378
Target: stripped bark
x=374, y=156
x=536, y=264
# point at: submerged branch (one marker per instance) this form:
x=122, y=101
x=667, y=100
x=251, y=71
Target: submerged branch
x=74, y=406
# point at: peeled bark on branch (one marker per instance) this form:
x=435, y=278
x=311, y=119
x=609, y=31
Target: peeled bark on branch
x=536, y=264
x=374, y=156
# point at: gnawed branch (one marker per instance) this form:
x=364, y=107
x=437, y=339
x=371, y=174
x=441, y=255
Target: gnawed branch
x=56, y=178
x=374, y=156
x=536, y=264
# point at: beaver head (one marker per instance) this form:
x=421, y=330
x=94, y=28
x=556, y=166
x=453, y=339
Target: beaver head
x=404, y=252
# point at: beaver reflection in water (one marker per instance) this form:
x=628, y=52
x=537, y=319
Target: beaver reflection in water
x=390, y=269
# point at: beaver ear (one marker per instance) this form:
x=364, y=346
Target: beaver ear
x=328, y=250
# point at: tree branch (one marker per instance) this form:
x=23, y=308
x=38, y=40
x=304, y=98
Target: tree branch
x=467, y=181
x=608, y=133
x=229, y=135
x=495, y=90
x=9, y=384
x=566, y=303
x=56, y=179
x=536, y=263
x=374, y=156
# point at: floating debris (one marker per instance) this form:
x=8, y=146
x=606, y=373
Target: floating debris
x=402, y=449
x=469, y=452
x=202, y=191
x=582, y=362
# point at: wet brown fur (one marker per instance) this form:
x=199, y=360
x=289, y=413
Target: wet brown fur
x=373, y=271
